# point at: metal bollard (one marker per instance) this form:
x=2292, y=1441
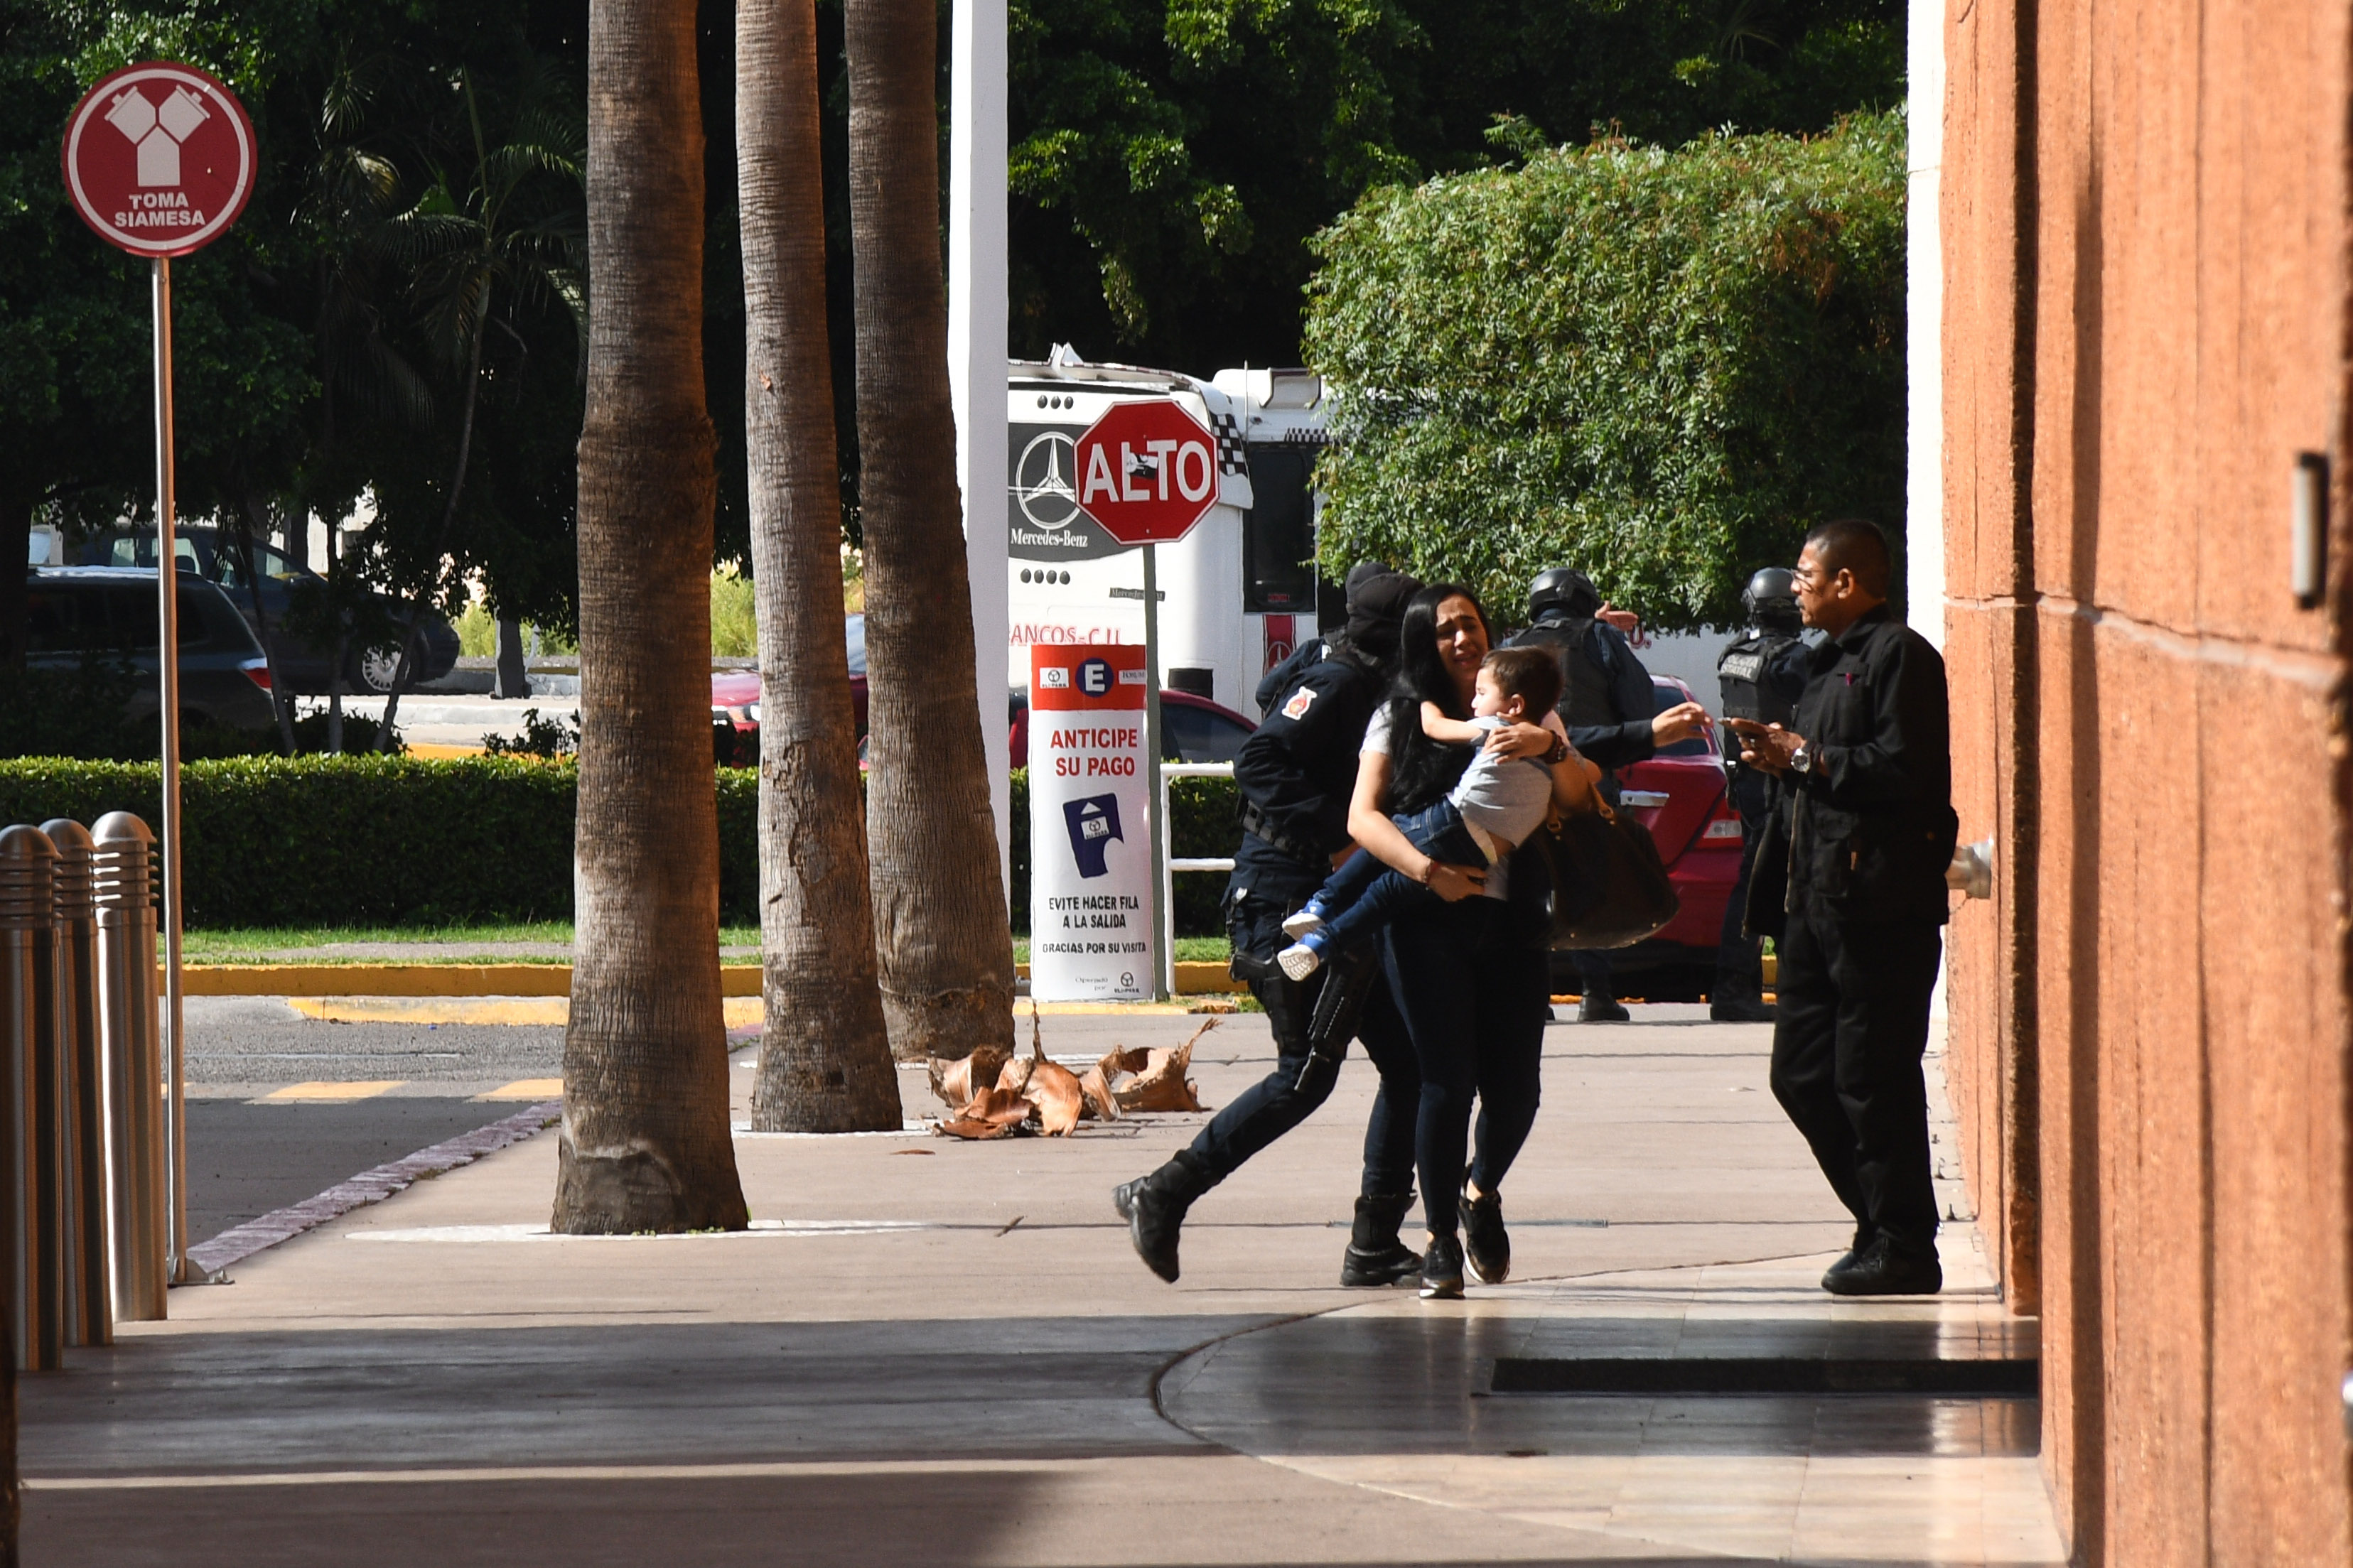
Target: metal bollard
x=122, y=888
x=28, y=1082
x=81, y=1071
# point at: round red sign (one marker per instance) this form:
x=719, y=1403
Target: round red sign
x=1146, y=471
x=159, y=158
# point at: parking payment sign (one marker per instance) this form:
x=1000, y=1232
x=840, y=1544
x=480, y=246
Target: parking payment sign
x=1090, y=862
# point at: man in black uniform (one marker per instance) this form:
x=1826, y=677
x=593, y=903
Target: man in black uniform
x=1607, y=704
x=1761, y=676
x=1859, y=842
x=1296, y=773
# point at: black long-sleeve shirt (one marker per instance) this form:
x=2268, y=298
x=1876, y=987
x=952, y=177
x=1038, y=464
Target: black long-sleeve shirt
x=1869, y=829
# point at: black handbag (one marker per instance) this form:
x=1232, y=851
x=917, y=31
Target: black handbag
x=1608, y=886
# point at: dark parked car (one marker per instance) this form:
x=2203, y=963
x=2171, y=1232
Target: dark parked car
x=1679, y=794
x=79, y=614
x=203, y=552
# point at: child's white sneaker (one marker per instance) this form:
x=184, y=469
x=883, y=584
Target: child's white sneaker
x=1306, y=920
x=1299, y=961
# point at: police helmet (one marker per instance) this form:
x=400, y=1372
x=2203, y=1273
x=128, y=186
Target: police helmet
x=1563, y=588
x=1771, y=597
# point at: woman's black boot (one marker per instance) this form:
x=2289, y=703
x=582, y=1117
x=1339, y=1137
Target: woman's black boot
x=1376, y=1256
x=1154, y=1207
x=1441, y=1270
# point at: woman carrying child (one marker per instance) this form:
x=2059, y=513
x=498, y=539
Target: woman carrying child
x=1467, y=966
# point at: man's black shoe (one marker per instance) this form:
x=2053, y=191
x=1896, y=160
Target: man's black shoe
x=1376, y=1256
x=1740, y=1010
x=1154, y=1207
x=1441, y=1270
x=1885, y=1269
x=1593, y=1009
x=1484, y=1241
x=1853, y=1253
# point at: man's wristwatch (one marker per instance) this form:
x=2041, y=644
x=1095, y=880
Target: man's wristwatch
x=1801, y=761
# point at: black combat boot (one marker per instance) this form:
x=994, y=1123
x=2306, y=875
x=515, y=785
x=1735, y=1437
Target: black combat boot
x=1594, y=1007
x=1154, y=1207
x=1376, y=1256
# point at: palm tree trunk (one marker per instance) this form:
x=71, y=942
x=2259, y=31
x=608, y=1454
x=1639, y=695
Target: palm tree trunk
x=825, y=1055
x=939, y=904
x=645, y=1143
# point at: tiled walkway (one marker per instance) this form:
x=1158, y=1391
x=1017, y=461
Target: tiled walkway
x=1373, y=1396
x=940, y=1353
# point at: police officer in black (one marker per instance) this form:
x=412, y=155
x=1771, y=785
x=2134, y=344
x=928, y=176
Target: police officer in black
x=1850, y=881
x=1761, y=677
x=1607, y=705
x=1296, y=774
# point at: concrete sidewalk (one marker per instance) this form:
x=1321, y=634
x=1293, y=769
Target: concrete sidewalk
x=937, y=1352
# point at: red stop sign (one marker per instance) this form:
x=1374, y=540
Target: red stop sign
x=1146, y=471
x=159, y=159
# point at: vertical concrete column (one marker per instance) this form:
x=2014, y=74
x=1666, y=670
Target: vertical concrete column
x=122, y=888
x=81, y=1069
x=29, y=1207
x=977, y=315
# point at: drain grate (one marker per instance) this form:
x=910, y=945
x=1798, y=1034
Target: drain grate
x=2020, y=1379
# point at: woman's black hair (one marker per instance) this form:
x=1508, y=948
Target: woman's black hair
x=1421, y=769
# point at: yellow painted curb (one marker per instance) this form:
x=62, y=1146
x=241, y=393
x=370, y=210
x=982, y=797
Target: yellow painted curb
x=741, y=1011
x=427, y=749
x=1193, y=979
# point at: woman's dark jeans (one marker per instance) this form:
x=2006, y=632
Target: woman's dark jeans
x=1473, y=988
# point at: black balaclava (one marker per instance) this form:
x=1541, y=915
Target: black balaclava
x=1377, y=600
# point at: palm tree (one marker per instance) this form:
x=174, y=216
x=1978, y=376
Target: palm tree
x=939, y=902
x=825, y=1057
x=645, y=1143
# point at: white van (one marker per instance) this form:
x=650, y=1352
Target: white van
x=1238, y=592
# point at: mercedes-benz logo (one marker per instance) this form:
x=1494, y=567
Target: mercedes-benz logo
x=1043, y=484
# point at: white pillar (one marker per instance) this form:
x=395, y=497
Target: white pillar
x=1924, y=349
x=977, y=361
x=1924, y=510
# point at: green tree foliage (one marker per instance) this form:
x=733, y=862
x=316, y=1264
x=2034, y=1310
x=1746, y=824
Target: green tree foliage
x=1171, y=158
x=404, y=216
x=1659, y=366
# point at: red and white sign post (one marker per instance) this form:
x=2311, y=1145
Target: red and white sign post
x=1147, y=473
x=159, y=159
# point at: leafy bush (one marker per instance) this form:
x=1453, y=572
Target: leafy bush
x=1660, y=366
x=735, y=630
x=404, y=841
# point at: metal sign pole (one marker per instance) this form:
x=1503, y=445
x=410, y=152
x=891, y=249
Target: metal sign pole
x=1163, y=975
x=167, y=610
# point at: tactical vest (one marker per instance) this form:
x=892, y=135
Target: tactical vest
x=1585, y=699
x=1742, y=671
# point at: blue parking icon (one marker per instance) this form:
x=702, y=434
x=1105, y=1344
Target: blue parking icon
x=1094, y=677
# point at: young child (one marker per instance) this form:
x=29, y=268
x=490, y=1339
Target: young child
x=1490, y=812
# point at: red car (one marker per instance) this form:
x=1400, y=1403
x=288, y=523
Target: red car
x=735, y=702
x=1679, y=795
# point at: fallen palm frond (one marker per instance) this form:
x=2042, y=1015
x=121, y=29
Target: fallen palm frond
x=995, y=1094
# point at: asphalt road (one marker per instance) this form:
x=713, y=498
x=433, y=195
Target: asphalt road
x=248, y=1154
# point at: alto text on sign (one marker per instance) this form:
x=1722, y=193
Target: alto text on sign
x=1146, y=471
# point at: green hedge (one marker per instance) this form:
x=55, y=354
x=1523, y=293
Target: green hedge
x=389, y=840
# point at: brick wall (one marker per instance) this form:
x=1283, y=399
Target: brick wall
x=2145, y=262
